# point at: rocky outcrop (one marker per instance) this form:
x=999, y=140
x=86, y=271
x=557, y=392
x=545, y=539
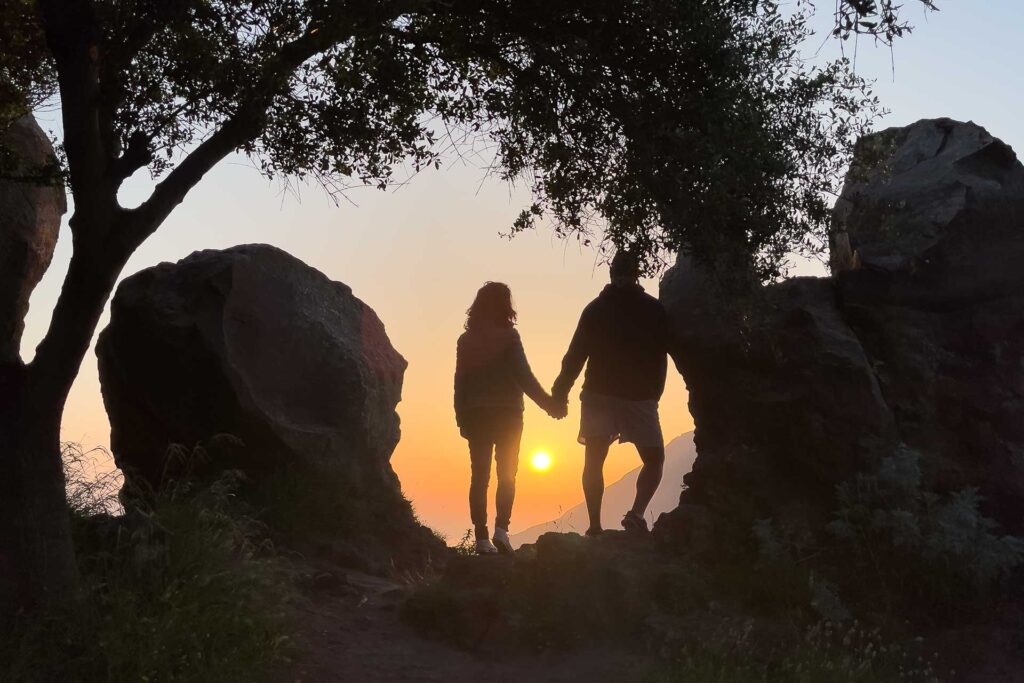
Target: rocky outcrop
x=942, y=317
x=31, y=206
x=917, y=340
x=252, y=342
x=784, y=399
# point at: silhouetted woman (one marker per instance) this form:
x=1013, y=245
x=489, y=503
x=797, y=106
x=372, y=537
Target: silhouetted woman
x=491, y=375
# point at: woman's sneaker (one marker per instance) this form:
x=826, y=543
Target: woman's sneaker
x=501, y=540
x=485, y=547
x=634, y=523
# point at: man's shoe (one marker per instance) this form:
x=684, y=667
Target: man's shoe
x=594, y=531
x=485, y=547
x=634, y=523
x=501, y=541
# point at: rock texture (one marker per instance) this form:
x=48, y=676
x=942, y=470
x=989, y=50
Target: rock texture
x=252, y=342
x=917, y=339
x=31, y=206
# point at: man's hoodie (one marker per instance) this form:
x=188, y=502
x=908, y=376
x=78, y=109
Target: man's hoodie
x=623, y=337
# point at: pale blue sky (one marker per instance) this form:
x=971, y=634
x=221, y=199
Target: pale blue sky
x=417, y=255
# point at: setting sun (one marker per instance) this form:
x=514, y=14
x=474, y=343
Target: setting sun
x=540, y=461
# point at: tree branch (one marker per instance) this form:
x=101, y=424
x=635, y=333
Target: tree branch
x=171, y=191
x=242, y=127
x=137, y=155
x=72, y=34
x=323, y=32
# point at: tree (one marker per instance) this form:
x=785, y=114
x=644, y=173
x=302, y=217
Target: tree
x=669, y=124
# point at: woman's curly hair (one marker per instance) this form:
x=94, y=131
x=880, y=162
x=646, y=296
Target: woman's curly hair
x=492, y=306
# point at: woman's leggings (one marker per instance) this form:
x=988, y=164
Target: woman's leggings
x=494, y=435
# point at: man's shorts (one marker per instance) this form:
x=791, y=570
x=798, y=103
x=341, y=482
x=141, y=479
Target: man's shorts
x=607, y=418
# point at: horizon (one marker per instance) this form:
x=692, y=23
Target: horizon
x=417, y=255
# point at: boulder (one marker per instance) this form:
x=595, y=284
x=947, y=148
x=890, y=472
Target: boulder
x=785, y=401
x=943, y=320
x=253, y=343
x=915, y=341
x=31, y=205
x=913, y=190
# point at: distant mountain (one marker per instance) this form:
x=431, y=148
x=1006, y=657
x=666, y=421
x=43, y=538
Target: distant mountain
x=618, y=497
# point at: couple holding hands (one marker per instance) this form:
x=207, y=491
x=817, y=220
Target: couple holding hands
x=623, y=337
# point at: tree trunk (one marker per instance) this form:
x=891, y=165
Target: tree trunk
x=37, y=556
x=36, y=548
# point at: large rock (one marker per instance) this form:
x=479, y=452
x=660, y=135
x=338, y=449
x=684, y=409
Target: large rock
x=916, y=340
x=912, y=189
x=943, y=320
x=252, y=342
x=31, y=206
x=784, y=399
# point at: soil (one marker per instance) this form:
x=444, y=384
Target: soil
x=350, y=631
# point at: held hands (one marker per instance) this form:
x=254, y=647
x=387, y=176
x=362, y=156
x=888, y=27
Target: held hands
x=557, y=408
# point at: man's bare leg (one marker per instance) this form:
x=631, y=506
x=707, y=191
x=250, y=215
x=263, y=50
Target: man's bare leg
x=593, y=479
x=647, y=482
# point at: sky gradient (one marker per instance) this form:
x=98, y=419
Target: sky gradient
x=417, y=254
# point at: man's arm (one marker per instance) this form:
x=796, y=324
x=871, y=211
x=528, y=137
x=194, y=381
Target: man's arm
x=574, y=360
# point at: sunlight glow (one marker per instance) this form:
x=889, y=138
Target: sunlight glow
x=540, y=461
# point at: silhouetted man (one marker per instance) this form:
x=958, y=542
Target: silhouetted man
x=623, y=337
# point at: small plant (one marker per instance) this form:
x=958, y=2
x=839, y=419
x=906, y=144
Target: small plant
x=466, y=545
x=91, y=481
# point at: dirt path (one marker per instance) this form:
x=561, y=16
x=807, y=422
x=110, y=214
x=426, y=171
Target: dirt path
x=351, y=632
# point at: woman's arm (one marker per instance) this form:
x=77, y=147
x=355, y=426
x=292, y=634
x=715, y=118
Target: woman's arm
x=524, y=375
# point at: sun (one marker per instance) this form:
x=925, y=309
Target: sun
x=540, y=461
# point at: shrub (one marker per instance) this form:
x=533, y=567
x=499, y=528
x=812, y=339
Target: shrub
x=913, y=543
x=329, y=514
x=178, y=589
